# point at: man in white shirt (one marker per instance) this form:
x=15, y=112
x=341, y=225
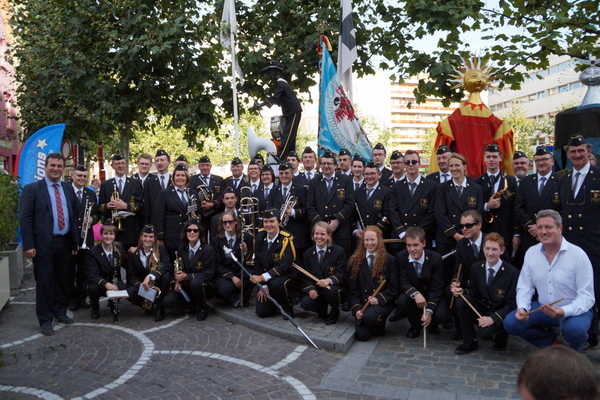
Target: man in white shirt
x=560, y=272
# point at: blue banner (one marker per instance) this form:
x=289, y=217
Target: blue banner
x=32, y=158
x=339, y=127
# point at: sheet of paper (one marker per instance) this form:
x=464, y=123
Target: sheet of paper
x=149, y=294
x=117, y=294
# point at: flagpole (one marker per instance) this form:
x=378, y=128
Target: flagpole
x=234, y=83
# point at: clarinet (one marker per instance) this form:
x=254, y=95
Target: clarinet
x=115, y=281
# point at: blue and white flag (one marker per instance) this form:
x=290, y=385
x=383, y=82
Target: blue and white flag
x=32, y=157
x=339, y=126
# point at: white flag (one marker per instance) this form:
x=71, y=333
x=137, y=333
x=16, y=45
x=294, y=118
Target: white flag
x=228, y=30
x=347, y=46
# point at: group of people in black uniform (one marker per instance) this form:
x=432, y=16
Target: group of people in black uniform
x=382, y=243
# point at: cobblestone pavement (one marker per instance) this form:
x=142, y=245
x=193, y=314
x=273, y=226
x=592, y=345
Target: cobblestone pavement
x=216, y=359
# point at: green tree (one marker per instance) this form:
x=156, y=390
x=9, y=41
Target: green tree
x=100, y=66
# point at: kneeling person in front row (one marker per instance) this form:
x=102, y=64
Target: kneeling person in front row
x=369, y=266
x=194, y=270
x=491, y=290
x=421, y=284
x=103, y=269
x=274, y=256
x=149, y=267
x=325, y=261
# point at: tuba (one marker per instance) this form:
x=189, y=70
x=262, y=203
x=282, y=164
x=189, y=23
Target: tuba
x=153, y=266
x=488, y=216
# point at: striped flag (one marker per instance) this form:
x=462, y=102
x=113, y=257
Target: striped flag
x=339, y=127
x=347, y=45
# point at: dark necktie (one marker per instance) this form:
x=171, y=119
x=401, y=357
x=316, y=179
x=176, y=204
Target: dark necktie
x=475, y=250
x=120, y=186
x=207, y=180
x=182, y=196
x=493, y=179
x=445, y=176
x=321, y=252
x=284, y=193
x=235, y=183
x=266, y=192
x=253, y=188
x=308, y=176
x=162, y=181
x=59, y=208
x=459, y=190
x=413, y=187
x=490, y=276
x=577, y=175
x=269, y=246
x=542, y=184
x=329, y=184
x=110, y=258
x=417, y=266
x=370, y=260
x=192, y=252
x=79, y=195
x=356, y=186
x=369, y=193
x=230, y=243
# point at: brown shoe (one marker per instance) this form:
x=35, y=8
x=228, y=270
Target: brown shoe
x=558, y=341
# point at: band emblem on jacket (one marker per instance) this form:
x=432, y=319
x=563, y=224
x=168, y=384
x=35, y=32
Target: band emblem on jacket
x=377, y=204
x=472, y=202
x=342, y=194
x=424, y=204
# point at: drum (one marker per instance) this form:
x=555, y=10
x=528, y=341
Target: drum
x=277, y=124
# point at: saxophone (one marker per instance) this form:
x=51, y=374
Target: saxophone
x=153, y=266
x=177, y=266
x=488, y=216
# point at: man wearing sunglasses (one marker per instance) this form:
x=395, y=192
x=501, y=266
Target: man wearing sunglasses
x=579, y=194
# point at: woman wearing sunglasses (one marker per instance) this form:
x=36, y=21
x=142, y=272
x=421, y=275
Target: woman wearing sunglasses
x=228, y=274
x=193, y=283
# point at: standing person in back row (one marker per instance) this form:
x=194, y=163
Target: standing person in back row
x=291, y=110
x=48, y=221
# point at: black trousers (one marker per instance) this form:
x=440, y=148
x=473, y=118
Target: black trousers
x=163, y=283
x=468, y=320
x=326, y=297
x=448, y=262
x=95, y=291
x=198, y=292
x=227, y=290
x=288, y=136
x=280, y=289
x=78, y=291
x=414, y=313
x=51, y=268
x=372, y=321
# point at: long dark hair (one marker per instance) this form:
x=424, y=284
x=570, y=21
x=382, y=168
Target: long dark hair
x=238, y=228
x=183, y=236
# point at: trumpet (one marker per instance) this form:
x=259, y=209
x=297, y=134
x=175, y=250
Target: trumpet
x=192, y=205
x=290, y=201
x=154, y=265
x=488, y=216
x=115, y=213
x=84, y=225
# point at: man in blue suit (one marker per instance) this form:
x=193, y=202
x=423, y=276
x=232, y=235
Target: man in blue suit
x=48, y=221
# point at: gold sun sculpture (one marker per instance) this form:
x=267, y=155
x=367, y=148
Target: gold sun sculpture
x=474, y=76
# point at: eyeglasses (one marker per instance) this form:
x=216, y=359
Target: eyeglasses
x=227, y=222
x=327, y=164
x=192, y=230
x=542, y=160
x=411, y=162
x=468, y=226
x=371, y=173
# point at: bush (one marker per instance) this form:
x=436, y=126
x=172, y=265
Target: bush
x=9, y=209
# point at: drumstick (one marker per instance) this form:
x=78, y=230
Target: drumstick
x=471, y=305
x=393, y=240
x=458, y=280
x=305, y=272
x=424, y=330
x=375, y=293
x=539, y=308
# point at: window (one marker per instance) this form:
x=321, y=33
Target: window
x=553, y=91
x=563, y=66
x=575, y=85
x=563, y=89
x=553, y=70
x=541, y=95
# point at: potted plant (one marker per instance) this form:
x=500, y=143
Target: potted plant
x=9, y=250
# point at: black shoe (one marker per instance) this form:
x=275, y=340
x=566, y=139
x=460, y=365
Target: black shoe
x=448, y=324
x=202, y=315
x=379, y=331
x=457, y=335
x=73, y=306
x=84, y=305
x=345, y=306
x=397, y=315
x=322, y=315
x=433, y=330
x=500, y=341
x=160, y=313
x=95, y=313
x=467, y=347
x=63, y=319
x=331, y=321
x=413, y=333
x=47, y=329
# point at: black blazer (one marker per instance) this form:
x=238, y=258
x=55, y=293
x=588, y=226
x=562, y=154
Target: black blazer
x=89, y=195
x=263, y=202
x=377, y=210
x=363, y=286
x=529, y=202
x=278, y=260
x=303, y=180
x=214, y=184
x=228, y=182
x=151, y=190
x=133, y=196
x=99, y=271
x=337, y=204
x=449, y=207
x=500, y=297
x=430, y=283
x=170, y=214
x=581, y=215
x=417, y=210
x=225, y=266
x=202, y=266
x=465, y=257
x=36, y=219
x=505, y=222
x=299, y=225
x=137, y=272
x=333, y=266
x=386, y=175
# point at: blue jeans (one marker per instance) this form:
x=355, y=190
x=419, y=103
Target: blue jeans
x=573, y=329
